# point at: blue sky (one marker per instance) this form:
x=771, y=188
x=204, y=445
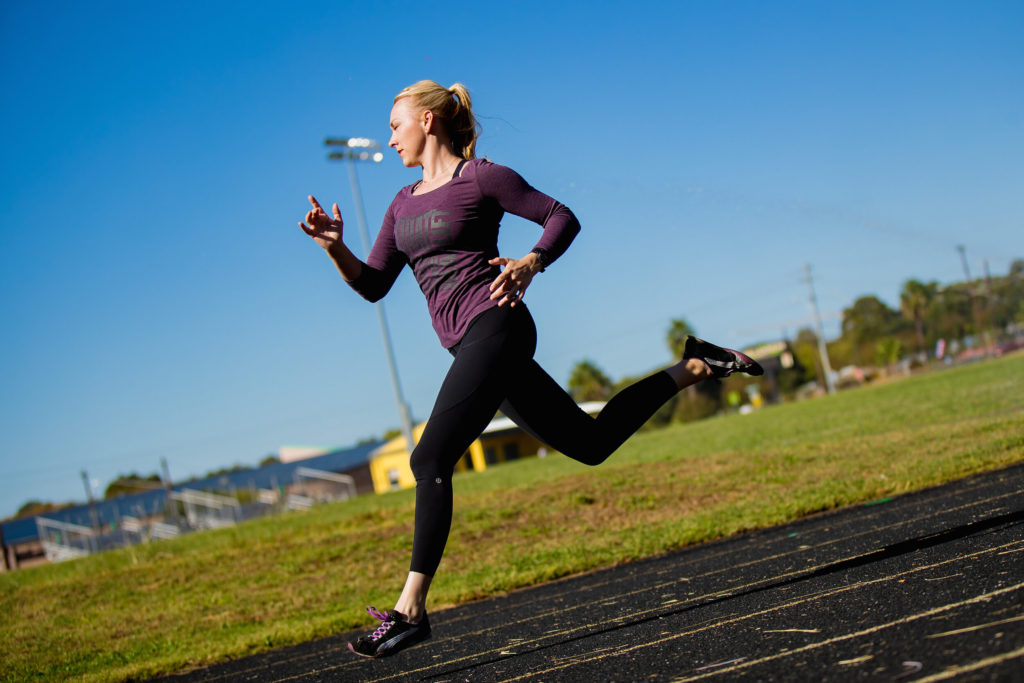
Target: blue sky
x=158, y=299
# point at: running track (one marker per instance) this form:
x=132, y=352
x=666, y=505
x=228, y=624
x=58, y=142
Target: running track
x=928, y=586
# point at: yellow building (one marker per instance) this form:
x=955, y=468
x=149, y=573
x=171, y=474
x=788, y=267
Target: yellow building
x=501, y=441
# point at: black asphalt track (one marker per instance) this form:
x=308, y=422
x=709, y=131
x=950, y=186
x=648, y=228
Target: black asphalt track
x=927, y=586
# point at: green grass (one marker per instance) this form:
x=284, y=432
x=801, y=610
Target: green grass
x=169, y=605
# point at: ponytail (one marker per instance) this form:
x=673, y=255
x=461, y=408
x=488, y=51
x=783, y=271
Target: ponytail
x=455, y=109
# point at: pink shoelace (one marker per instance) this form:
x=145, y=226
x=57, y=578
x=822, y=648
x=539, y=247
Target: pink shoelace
x=385, y=625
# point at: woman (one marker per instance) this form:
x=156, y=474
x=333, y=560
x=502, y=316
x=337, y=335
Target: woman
x=445, y=228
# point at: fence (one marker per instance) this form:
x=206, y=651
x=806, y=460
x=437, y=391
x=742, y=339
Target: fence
x=192, y=510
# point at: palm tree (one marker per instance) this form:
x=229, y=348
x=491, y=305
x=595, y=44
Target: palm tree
x=587, y=382
x=676, y=337
x=915, y=300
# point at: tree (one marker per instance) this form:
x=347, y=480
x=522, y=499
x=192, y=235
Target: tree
x=888, y=351
x=36, y=507
x=915, y=300
x=699, y=404
x=950, y=315
x=675, y=338
x=1005, y=297
x=805, y=348
x=132, y=483
x=869, y=319
x=587, y=382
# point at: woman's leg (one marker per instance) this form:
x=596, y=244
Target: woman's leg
x=413, y=601
x=492, y=352
x=540, y=406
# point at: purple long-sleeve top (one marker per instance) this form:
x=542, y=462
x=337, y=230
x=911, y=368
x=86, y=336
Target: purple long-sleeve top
x=448, y=235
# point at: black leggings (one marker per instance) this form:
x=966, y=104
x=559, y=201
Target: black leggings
x=494, y=368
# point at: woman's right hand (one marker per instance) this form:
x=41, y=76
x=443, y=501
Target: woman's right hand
x=325, y=231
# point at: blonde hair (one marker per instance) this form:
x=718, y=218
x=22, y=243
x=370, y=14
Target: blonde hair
x=455, y=109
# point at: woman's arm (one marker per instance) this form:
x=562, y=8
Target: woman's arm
x=370, y=282
x=516, y=196
x=516, y=276
x=327, y=233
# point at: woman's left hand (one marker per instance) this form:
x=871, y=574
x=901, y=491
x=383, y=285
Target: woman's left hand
x=515, y=277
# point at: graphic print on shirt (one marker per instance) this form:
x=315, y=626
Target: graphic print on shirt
x=426, y=232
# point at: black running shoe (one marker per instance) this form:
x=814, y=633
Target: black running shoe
x=721, y=362
x=392, y=635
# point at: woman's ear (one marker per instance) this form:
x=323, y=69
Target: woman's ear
x=427, y=119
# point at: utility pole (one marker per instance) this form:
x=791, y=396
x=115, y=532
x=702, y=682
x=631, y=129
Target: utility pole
x=970, y=293
x=991, y=299
x=172, y=504
x=92, y=503
x=826, y=366
x=358, y=149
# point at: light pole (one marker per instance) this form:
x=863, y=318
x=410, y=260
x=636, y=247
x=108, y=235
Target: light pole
x=974, y=299
x=364, y=149
x=92, y=503
x=826, y=366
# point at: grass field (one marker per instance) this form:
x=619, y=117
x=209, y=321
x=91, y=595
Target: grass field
x=169, y=605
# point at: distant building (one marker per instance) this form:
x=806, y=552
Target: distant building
x=295, y=453
x=20, y=544
x=774, y=357
x=501, y=441
x=133, y=518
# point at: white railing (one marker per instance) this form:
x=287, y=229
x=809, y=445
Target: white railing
x=64, y=541
x=324, y=486
x=208, y=510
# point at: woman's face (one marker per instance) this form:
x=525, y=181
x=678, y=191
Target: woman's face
x=409, y=127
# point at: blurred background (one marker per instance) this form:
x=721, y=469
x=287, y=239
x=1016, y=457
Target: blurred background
x=159, y=301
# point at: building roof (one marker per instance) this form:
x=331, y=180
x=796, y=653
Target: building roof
x=150, y=503
x=766, y=350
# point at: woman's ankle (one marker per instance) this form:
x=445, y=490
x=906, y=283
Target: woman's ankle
x=689, y=371
x=413, y=601
x=412, y=613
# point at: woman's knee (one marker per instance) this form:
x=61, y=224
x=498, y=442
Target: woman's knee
x=424, y=467
x=589, y=454
x=594, y=458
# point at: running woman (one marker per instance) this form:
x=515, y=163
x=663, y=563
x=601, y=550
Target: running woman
x=445, y=227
